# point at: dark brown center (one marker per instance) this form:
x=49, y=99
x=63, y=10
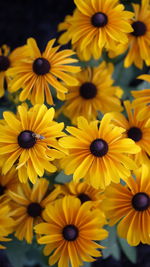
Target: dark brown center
x=135, y=134
x=41, y=66
x=88, y=90
x=2, y=190
x=26, y=139
x=99, y=20
x=140, y=201
x=99, y=148
x=34, y=209
x=83, y=197
x=139, y=28
x=4, y=63
x=70, y=232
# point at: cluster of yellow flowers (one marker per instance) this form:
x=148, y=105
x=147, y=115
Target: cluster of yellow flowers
x=109, y=158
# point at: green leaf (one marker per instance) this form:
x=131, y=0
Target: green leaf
x=20, y=253
x=87, y=264
x=124, y=76
x=35, y=256
x=16, y=252
x=128, y=250
x=64, y=119
x=63, y=178
x=2, y=109
x=143, y=85
x=111, y=244
x=91, y=63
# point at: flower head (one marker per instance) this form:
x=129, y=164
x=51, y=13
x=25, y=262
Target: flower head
x=97, y=24
x=130, y=206
x=70, y=230
x=138, y=47
x=35, y=72
x=138, y=131
x=7, y=60
x=29, y=140
x=28, y=206
x=84, y=192
x=6, y=224
x=142, y=99
x=94, y=93
x=8, y=181
x=98, y=152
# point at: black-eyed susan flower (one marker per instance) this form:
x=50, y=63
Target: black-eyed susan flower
x=35, y=72
x=7, y=60
x=84, y=192
x=6, y=224
x=8, y=181
x=139, y=40
x=98, y=152
x=28, y=206
x=138, y=131
x=65, y=36
x=63, y=27
x=70, y=231
x=98, y=24
x=94, y=93
x=129, y=205
x=142, y=99
x=4, y=65
x=29, y=140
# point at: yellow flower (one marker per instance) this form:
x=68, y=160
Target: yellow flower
x=7, y=60
x=29, y=139
x=139, y=40
x=142, y=99
x=138, y=131
x=64, y=26
x=6, y=224
x=70, y=229
x=8, y=182
x=28, y=206
x=98, y=152
x=94, y=93
x=84, y=192
x=35, y=72
x=129, y=205
x=98, y=24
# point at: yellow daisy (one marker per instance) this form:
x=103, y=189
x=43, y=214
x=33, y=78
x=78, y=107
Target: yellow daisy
x=94, y=93
x=28, y=206
x=144, y=158
x=98, y=152
x=65, y=36
x=84, y=192
x=138, y=131
x=142, y=99
x=4, y=65
x=129, y=205
x=63, y=27
x=8, y=182
x=98, y=24
x=37, y=71
x=29, y=140
x=70, y=230
x=7, y=60
x=139, y=40
x=6, y=224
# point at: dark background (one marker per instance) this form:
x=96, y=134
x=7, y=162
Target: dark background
x=20, y=19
